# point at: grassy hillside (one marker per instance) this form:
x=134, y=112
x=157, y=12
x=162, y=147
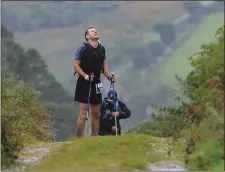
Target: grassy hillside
x=178, y=63
x=127, y=152
x=151, y=86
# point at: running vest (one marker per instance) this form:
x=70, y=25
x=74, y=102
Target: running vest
x=92, y=59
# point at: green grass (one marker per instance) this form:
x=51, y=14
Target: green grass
x=126, y=152
x=178, y=63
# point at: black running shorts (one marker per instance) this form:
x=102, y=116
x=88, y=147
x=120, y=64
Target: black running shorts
x=82, y=91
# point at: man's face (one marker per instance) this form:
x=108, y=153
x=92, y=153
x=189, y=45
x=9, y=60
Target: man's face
x=92, y=34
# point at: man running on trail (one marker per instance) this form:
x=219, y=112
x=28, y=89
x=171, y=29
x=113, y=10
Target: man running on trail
x=90, y=59
x=107, y=118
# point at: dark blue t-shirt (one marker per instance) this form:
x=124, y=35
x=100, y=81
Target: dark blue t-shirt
x=79, y=50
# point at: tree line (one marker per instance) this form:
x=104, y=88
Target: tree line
x=28, y=16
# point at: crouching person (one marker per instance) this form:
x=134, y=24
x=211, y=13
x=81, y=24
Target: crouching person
x=107, y=119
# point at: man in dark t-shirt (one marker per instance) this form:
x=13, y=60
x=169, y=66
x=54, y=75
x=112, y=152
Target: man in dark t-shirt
x=89, y=63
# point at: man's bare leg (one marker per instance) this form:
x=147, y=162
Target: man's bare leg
x=81, y=119
x=95, y=115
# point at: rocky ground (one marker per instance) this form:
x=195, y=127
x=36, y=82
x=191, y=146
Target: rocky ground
x=32, y=155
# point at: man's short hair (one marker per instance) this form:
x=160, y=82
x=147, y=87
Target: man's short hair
x=86, y=32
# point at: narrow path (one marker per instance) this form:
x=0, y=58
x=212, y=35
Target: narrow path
x=33, y=155
x=36, y=155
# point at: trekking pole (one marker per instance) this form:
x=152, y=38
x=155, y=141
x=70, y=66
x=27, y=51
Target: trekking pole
x=114, y=103
x=111, y=83
x=88, y=112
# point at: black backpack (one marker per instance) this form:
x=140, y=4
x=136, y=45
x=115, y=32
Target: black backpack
x=101, y=51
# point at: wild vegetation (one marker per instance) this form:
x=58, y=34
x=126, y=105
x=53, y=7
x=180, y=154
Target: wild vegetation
x=34, y=105
x=199, y=116
x=23, y=119
x=29, y=68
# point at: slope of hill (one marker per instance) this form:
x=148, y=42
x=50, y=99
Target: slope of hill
x=152, y=86
x=177, y=63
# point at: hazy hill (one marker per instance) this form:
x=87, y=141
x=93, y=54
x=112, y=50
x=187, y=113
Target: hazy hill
x=57, y=44
x=29, y=16
x=126, y=30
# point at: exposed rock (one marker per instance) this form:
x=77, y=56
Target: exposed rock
x=166, y=166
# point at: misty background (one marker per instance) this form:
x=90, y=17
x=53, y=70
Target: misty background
x=146, y=43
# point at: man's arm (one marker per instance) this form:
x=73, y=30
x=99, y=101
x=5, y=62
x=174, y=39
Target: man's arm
x=106, y=69
x=77, y=61
x=125, y=112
